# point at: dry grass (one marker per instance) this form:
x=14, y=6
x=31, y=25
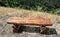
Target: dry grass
x=28, y=13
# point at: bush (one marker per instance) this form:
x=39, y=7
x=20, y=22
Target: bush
x=44, y=5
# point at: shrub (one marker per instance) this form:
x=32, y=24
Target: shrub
x=44, y=5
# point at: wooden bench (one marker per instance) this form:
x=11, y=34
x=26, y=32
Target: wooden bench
x=18, y=21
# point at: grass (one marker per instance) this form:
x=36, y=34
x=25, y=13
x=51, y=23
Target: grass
x=28, y=13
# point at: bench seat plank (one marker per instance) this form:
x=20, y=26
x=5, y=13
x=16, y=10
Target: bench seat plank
x=30, y=21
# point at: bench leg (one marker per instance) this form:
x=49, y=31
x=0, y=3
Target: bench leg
x=16, y=28
x=43, y=29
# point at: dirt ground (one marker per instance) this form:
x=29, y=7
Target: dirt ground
x=28, y=31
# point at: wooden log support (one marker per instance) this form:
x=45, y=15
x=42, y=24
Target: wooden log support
x=15, y=28
x=43, y=29
x=18, y=21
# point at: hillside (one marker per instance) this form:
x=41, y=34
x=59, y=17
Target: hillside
x=29, y=31
x=28, y=13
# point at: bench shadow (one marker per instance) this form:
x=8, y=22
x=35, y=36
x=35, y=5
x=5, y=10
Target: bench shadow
x=49, y=31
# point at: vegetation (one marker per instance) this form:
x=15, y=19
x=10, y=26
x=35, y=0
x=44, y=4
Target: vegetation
x=52, y=6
